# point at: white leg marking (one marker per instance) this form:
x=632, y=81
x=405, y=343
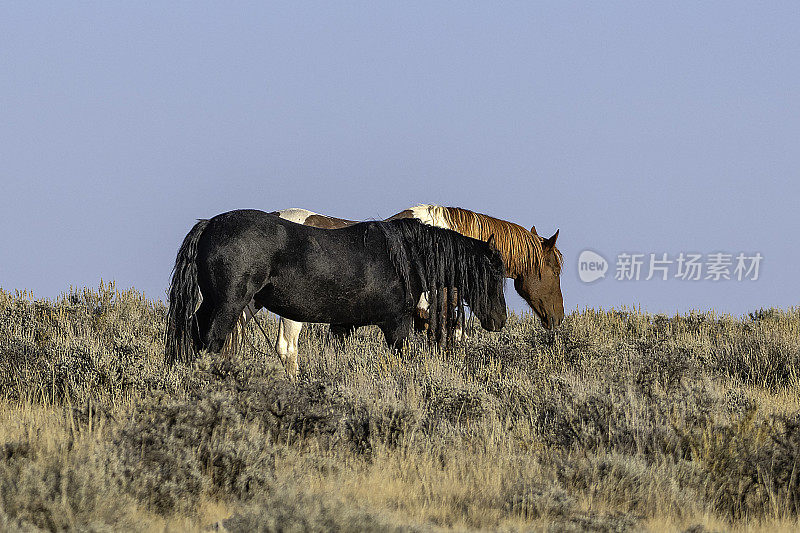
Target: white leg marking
x=423, y=302
x=286, y=345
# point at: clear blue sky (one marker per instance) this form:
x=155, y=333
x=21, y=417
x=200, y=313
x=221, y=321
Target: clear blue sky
x=633, y=127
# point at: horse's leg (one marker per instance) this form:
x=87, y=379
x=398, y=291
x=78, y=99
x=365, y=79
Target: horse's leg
x=286, y=345
x=444, y=325
x=221, y=322
x=203, y=319
x=250, y=310
x=459, y=332
x=341, y=331
x=422, y=314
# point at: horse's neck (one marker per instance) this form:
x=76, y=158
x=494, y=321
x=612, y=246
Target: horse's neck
x=513, y=265
x=432, y=215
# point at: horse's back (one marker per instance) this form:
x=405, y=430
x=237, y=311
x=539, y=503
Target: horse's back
x=303, y=272
x=294, y=214
x=340, y=276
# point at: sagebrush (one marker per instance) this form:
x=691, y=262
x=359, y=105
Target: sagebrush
x=619, y=420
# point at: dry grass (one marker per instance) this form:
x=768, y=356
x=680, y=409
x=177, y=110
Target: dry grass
x=618, y=421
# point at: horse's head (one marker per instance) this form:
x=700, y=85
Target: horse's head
x=493, y=316
x=542, y=289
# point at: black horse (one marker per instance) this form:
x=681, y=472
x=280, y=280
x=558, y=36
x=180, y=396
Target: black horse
x=368, y=273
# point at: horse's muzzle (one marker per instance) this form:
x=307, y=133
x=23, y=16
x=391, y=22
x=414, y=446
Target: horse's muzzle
x=551, y=321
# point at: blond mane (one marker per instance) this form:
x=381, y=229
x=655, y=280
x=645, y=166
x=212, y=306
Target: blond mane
x=521, y=250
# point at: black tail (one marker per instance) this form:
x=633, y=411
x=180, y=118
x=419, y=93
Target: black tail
x=184, y=299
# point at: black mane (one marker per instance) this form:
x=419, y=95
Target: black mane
x=443, y=259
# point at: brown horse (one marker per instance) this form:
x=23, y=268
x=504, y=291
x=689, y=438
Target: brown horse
x=533, y=262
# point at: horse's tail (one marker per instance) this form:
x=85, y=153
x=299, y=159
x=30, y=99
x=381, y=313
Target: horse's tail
x=184, y=299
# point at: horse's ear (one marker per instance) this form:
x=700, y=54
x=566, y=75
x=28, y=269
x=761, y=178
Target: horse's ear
x=533, y=230
x=492, y=242
x=551, y=242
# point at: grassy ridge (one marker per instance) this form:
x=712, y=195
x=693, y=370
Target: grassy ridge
x=620, y=420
